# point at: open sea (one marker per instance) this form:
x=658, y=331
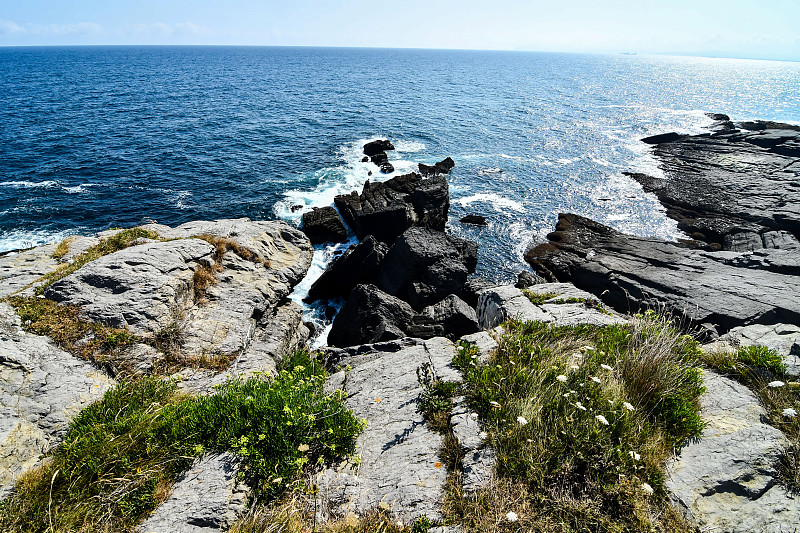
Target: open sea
x=100, y=137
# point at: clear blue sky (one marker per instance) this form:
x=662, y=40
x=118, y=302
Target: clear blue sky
x=732, y=28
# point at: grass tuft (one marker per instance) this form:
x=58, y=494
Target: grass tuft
x=583, y=420
x=63, y=248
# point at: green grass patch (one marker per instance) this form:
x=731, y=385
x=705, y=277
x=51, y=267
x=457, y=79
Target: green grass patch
x=112, y=244
x=538, y=299
x=122, y=453
x=583, y=420
x=763, y=371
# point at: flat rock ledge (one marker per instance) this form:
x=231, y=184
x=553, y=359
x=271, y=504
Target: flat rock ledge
x=207, y=498
x=498, y=304
x=41, y=389
x=400, y=468
x=726, y=480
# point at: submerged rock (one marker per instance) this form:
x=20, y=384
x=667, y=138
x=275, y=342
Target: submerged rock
x=724, y=289
x=474, y=220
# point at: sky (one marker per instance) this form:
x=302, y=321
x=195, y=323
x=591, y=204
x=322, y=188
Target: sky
x=764, y=29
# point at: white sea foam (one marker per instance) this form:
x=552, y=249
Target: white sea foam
x=28, y=184
x=498, y=202
x=19, y=240
x=408, y=146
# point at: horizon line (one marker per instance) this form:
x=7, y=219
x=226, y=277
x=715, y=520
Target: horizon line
x=719, y=55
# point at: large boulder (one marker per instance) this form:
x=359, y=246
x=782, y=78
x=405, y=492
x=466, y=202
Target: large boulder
x=323, y=225
x=358, y=265
x=388, y=208
x=720, y=289
x=425, y=265
x=452, y=317
x=370, y=315
x=150, y=288
x=376, y=147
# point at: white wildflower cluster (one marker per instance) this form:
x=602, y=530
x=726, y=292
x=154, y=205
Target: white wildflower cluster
x=789, y=413
x=635, y=456
x=562, y=378
x=647, y=489
x=776, y=384
x=628, y=406
x=602, y=419
x=522, y=421
x=511, y=516
x=606, y=367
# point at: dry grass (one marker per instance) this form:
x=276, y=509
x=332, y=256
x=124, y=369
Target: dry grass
x=63, y=248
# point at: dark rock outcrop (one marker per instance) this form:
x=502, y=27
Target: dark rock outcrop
x=722, y=289
x=735, y=189
x=323, y=225
x=442, y=167
x=388, y=208
x=376, y=151
x=358, y=265
x=453, y=315
x=425, y=265
x=370, y=315
x=377, y=147
x=475, y=220
x=527, y=279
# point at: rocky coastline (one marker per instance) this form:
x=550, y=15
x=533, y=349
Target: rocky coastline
x=208, y=301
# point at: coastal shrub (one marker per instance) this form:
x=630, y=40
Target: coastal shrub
x=115, y=243
x=583, y=420
x=121, y=454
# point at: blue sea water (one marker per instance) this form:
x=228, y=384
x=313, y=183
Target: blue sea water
x=99, y=137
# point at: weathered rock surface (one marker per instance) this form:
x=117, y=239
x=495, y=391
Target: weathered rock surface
x=19, y=270
x=358, y=265
x=735, y=181
x=726, y=480
x=206, y=499
x=149, y=288
x=388, y=208
x=323, y=224
x=479, y=459
x=498, y=304
x=425, y=265
x=453, y=317
x=41, y=389
x=724, y=289
x=400, y=468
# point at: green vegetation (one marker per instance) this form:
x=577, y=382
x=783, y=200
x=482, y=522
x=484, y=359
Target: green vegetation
x=122, y=453
x=583, y=420
x=112, y=244
x=538, y=299
x=764, y=372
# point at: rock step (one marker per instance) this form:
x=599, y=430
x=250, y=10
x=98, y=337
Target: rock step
x=726, y=480
x=400, y=469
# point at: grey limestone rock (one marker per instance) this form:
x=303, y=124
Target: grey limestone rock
x=485, y=343
x=479, y=459
x=726, y=481
x=207, y=498
x=400, y=469
x=41, y=389
x=498, y=304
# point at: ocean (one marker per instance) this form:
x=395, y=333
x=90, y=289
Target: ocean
x=99, y=137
